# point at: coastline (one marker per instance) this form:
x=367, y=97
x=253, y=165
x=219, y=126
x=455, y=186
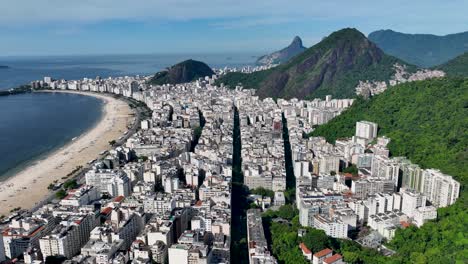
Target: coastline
x=5, y=175
x=27, y=187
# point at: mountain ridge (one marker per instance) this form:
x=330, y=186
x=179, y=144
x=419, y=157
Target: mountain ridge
x=333, y=66
x=424, y=50
x=457, y=67
x=284, y=54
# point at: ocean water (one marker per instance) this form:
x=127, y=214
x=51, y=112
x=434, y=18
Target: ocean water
x=32, y=125
x=23, y=70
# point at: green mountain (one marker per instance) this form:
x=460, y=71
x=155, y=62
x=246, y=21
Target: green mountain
x=423, y=50
x=334, y=66
x=183, y=72
x=427, y=121
x=456, y=67
x=283, y=55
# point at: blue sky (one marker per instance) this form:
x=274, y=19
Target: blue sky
x=65, y=27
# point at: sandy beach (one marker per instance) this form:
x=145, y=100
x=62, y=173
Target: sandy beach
x=29, y=186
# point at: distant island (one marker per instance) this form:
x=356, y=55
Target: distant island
x=4, y=67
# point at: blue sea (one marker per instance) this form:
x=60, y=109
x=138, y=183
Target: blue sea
x=33, y=125
x=23, y=70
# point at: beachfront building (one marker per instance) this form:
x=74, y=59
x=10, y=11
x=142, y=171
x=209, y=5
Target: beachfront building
x=81, y=196
x=23, y=233
x=112, y=182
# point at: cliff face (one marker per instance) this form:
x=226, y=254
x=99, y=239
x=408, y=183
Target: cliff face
x=334, y=66
x=424, y=50
x=283, y=55
x=186, y=71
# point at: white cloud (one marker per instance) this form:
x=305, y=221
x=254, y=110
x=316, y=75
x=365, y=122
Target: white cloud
x=39, y=11
x=26, y=11
x=232, y=14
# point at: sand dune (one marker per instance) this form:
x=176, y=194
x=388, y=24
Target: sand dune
x=29, y=186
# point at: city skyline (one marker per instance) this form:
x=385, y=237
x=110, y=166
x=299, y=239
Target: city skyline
x=123, y=27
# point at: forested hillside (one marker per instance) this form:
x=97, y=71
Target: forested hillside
x=427, y=122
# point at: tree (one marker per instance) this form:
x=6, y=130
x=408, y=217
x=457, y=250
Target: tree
x=263, y=192
x=70, y=184
x=61, y=194
x=143, y=158
x=315, y=240
x=351, y=169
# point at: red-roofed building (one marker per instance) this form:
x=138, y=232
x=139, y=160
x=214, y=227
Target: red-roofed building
x=335, y=259
x=305, y=251
x=106, y=211
x=321, y=255
x=24, y=232
x=119, y=199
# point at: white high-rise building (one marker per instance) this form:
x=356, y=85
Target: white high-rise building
x=178, y=253
x=423, y=214
x=329, y=163
x=366, y=130
x=112, y=182
x=412, y=200
x=333, y=228
x=119, y=186
x=68, y=236
x=441, y=189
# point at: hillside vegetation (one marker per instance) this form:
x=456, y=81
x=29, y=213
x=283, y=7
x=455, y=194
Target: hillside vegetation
x=183, y=72
x=427, y=122
x=457, y=67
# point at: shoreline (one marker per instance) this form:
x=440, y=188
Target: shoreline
x=43, y=156
x=28, y=186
